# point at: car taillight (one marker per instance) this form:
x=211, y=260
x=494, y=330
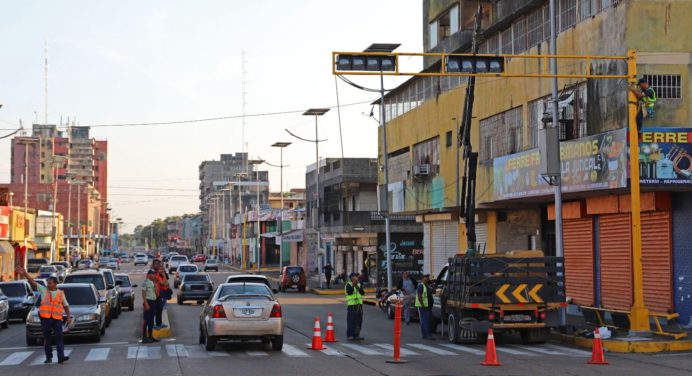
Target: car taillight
x=502, y=313
x=491, y=316
x=276, y=311
x=535, y=312
x=542, y=315
x=218, y=312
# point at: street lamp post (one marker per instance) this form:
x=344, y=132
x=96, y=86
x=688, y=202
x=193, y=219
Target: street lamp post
x=257, y=162
x=281, y=146
x=26, y=143
x=316, y=112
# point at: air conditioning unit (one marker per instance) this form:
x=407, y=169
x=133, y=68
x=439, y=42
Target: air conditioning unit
x=421, y=170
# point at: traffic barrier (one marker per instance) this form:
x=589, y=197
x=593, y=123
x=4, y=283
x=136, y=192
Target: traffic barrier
x=317, y=336
x=597, y=356
x=330, y=336
x=490, y=354
x=397, y=335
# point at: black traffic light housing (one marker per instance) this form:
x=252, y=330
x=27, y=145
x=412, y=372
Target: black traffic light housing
x=475, y=64
x=374, y=63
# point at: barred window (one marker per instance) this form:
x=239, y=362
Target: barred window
x=586, y=9
x=568, y=14
x=506, y=37
x=519, y=33
x=493, y=43
x=604, y=4
x=666, y=86
x=546, y=22
x=501, y=134
x=534, y=26
x=536, y=110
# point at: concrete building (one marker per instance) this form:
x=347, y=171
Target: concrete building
x=350, y=225
x=293, y=199
x=514, y=204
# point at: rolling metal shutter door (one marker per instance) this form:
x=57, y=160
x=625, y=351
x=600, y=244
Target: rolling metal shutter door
x=657, y=264
x=481, y=236
x=616, y=261
x=682, y=255
x=427, y=253
x=445, y=239
x=579, y=260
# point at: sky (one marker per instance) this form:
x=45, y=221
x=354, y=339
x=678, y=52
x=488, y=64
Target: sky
x=154, y=61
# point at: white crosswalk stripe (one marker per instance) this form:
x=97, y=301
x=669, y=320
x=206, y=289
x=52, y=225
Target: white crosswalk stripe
x=362, y=349
x=513, y=351
x=144, y=352
x=98, y=354
x=402, y=351
x=431, y=349
x=16, y=358
x=569, y=350
x=540, y=350
x=328, y=350
x=41, y=358
x=293, y=351
x=462, y=348
x=256, y=353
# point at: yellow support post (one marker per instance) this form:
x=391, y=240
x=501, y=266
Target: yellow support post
x=639, y=314
x=213, y=249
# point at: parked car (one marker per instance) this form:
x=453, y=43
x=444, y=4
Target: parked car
x=127, y=291
x=181, y=271
x=4, y=310
x=66, y=266
x=251, y=278
x=199, y=258
x=242, y=311
x=211, y=264
x=20, y=298
x=124, y=259
x=61, y=272
x=114, y=292
x=86, y=264
x=292, y=276
x=175, y=261
x=46, y=271
x=110, y=263
x=195, y=286
x=141, y=259
x=99, y=281
x=87, y=310
x=33, y=264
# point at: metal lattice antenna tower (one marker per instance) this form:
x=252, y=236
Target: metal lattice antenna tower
x=244, y=99
x=45, y=79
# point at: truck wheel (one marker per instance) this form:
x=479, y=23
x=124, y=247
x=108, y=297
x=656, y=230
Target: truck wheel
x=390, y=311
x=534, y=335
x=452, y=329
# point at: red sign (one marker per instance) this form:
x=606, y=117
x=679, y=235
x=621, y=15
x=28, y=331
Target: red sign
x=4, y=222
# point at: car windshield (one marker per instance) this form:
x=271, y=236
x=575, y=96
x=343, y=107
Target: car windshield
x=109, y=278
x=79, y=295
x=47, y=269
x=13, y=289
x=59, y=267
x=187, y=268
x=211, y=261
x=196, y=278
x=96, y=280
x=294, y=270
x=85, y=262
x=243, y=289
x=124, y=280
x=36, y=261
x=179, y=258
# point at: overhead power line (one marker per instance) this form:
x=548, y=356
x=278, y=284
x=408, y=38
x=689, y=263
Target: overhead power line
x=154, y=189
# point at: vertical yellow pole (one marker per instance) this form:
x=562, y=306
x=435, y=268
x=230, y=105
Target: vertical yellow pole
x=213, y=252
x=84, y=242
x=639, y=320
x=244, y=239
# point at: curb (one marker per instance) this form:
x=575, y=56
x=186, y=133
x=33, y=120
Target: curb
x=620, y=346
x=164, y=332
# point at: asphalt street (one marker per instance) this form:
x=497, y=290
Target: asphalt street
x=119, y=352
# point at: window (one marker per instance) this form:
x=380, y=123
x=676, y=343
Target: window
x=519, y=34
x=432, y=34
x=604, y=4
x=493, y=43
x=501, y=134
x=585, y=9
x=534, y=25
x=568, y=14
x=666, y=86
x=454, y=19
x=536, y=109
x=448, y=142
x=506, y=37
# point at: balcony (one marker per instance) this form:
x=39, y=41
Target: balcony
x=361, y=218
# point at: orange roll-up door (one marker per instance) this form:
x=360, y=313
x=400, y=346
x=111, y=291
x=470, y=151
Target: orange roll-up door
x=579, y=260
x=657, y=264
x=615, y=261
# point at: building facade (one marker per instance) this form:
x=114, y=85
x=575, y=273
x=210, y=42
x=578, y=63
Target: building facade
x=514, y=204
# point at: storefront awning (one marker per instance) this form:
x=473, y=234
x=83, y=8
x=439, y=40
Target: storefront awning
x=6, y=247
x=294, y=236
x=269, y=234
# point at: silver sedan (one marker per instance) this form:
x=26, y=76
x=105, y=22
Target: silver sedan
x=242, y=311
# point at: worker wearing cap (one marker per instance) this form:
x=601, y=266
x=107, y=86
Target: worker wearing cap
x=424, y=303
x=149, y=302
x=647, y=100
x=354, y=307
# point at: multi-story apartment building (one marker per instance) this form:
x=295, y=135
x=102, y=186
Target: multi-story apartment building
x=349, y=221
x=514, y=205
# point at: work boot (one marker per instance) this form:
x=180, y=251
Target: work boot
x=48, y=361
x=147, y=340
x=63, y=360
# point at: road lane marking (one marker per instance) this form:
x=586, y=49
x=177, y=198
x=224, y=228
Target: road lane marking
x=132, y=352
x=569, y=350
x=98, y=354
x=362, y=349
x=431, y=349
x=196, y=351
x=327, y=350
x=39, y=359
x=16, y=358
x=540, y=350
x=256, y=353
x=293, y=351
x=217, y=353
x=171, y=351
x=177, y=351
x=403, y=351
x=467, y=349
x=513, y=351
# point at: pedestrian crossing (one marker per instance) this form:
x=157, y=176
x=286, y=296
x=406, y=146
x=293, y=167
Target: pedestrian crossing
x=136, y=352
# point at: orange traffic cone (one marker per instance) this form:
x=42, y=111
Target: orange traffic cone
x=317, y=336
x=597, y=356
x=490, y=354
x=329, y=336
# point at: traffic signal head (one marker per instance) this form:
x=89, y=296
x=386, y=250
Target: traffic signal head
x=376, y=63
x=474, y=64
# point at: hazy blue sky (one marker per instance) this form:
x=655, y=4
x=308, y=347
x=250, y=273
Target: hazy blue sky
x=144, y=61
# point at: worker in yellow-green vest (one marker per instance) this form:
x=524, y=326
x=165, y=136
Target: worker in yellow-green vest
x=424, y=303
x=647, y=101
x=354, y=307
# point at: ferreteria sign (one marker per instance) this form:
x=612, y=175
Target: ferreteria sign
x=665, y=156
x=590, y=163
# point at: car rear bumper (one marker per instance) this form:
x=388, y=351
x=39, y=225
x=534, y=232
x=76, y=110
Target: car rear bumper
x=194, y=295
x=81, y=329
x=245, y=328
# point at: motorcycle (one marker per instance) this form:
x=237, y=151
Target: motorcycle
x=387, y=301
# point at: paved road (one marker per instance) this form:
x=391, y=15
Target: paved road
x=120, y=353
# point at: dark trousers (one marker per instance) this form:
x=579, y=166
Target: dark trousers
x=159, y=311
x=354, y=320
x=328, y=277
x=640, y=120
x=54, y=326
x=148, y=324
x=425, y=315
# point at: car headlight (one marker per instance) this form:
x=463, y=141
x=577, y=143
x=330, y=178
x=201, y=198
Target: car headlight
x=89, y=317
x=33, y=319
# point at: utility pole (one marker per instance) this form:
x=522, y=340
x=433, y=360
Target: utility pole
x=281, y=146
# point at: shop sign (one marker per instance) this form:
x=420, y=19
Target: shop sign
x=17, y=225
x=589, y=163
x=406, y=251
x=4, y=222
x=665, y=156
